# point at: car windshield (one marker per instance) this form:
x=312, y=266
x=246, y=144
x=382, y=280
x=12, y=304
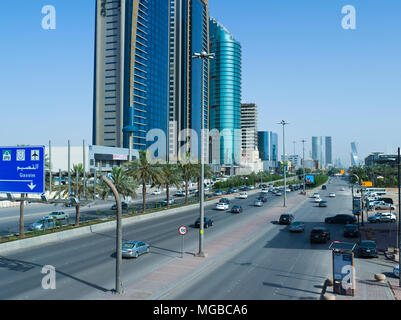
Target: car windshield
x=317, y=231
x=128, y=245
x=285, y=216
x=296, y=223
x=351, y=227
x=368, y=244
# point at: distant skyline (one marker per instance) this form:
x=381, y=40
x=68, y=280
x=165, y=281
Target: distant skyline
x=298, y=64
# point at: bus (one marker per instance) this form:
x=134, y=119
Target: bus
x=378, y=191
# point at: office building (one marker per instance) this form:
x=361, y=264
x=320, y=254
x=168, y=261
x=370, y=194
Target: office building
x=328, y=152
x=188, y=89
x=317, y=149
x=225, y=94
x=131, y=71
x=268, y=147
x=354, y=154
x=294, y=159
x=378, y=158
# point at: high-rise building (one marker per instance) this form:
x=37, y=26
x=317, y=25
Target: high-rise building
x=268, y=147
x=131, y=71
x=188, y=78
x=225, y=92
x=317, y=149
x=328, y=150
x=264, y=145
x=354, y=154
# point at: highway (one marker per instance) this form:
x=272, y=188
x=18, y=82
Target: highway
x=85, y=266
x=280, y=265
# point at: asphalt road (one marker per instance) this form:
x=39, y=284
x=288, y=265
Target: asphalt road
x=85, y=266
x=279, y=265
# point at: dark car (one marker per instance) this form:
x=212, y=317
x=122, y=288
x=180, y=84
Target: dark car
x=262, y=198
x=225, y=200
x=324, y=187
x=207, y=223
x=232, y=190
x=236, y=209
x=367, y=248
x=124, y=206
x=386, y=200
x=286, y=218
x=262, y=186
x=323, y=204
x=341, y=219
x=319, y=234
x=244, y=188
x=351, y=230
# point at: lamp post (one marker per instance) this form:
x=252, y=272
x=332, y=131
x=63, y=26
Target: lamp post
x=399, y=213
x=204, y=56
x=283, y=123
x=303, y=161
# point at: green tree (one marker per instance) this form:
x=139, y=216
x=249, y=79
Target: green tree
x=188, y=171
x=144, y=172
x=170, y=176
x=126, y=186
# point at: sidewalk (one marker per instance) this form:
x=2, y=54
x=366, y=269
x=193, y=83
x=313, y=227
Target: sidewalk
x=158, y=282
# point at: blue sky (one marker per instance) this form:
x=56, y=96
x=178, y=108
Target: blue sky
x=299, y=65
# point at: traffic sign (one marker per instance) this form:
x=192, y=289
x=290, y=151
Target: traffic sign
x=367, y=184
x=22, y=169
x=183, y=230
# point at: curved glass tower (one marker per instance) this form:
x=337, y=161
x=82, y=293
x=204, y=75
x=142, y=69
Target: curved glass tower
x=225, y=92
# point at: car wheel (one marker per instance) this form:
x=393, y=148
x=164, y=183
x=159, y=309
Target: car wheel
x=136, y=255
x=147, y=250
x=392, y=220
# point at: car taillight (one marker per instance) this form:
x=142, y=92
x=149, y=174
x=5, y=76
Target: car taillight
x=129, y=251
x=323, y=234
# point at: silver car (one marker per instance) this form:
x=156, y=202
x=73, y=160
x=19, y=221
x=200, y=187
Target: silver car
x=59, y=215
x=297, y=226
x=258, y=203
x=134, y=249
x=42, y=224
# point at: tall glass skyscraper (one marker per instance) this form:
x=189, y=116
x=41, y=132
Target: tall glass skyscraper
x=329, y=152
x=131, y=71
x=268, y=146
x=225, y=92
x=354, y=154
x=317, y=149
x=188, y=78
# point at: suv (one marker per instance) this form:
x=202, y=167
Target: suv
x=319, y=234
x=286, y=218
x=351, y=230
x=341, y=219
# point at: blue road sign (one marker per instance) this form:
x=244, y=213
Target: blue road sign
x=22, y=169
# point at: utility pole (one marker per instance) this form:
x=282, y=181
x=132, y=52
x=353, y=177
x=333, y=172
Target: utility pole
x=399, y=213
x=303, y=161
x=69, y=167
x=50, y=168
x=204, y=56
x=283, y=123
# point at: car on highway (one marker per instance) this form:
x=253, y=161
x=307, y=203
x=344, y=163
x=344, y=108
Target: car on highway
x=133, y=249
x=170, y=201
x=318, y=199
x=396, y=271
x=367, y=248
x=322, y=204
x=332, y=195
x=244, y=188
x=242, y=195
x=351, y=230
x=59, y=215
x=286, y=218
x=386, y=200
x=342, y=189
x=156, y=192
x=297, y=226
x=222, y=206
x=207, y=222
x=340, y=219
x=218, y=193
x=236, y=209
x=251, y=187
x=42, y=224
x=278, y=194
x=258, y=203
x=324, y=187
x=381, y=205
x=124, y=206
x=262, y=198
x=265, y=190
x=225, y=200
x=383, y=217
x=232, y=190
x=315, y=195
x=319, y=234
x=179, y=193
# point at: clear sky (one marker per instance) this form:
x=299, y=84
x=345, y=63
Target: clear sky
x=299, y=65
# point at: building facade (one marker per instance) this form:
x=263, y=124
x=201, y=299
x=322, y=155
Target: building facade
x=328, y=152
x=354, y=154
x=225, y=93
x=131, y=72
x=188, y=91
x=317, y=149
x=268, y=148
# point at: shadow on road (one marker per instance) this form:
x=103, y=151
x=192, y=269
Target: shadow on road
x=23, y=266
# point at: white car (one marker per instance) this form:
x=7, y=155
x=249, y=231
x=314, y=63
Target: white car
x=396, y=271
x=383, y=205
x=156, y=192
x=332, y=195
x=316, y=195
x=342, y=189
x=265, y=190
x=318, y=199
x=222, y=206
x=242, y=195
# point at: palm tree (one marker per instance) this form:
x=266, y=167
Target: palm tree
x=188, y=171
x=125, y=185
x=171, y=176
x=144, y=172
x=208, y=174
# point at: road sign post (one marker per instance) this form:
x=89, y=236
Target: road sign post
x=182, y=230
x=22, y=169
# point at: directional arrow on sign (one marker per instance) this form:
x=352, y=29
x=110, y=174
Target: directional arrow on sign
x=31, y=186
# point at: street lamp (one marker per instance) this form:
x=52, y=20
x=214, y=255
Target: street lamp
x=283, y=123
x=303, y=161
x=204, y=56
